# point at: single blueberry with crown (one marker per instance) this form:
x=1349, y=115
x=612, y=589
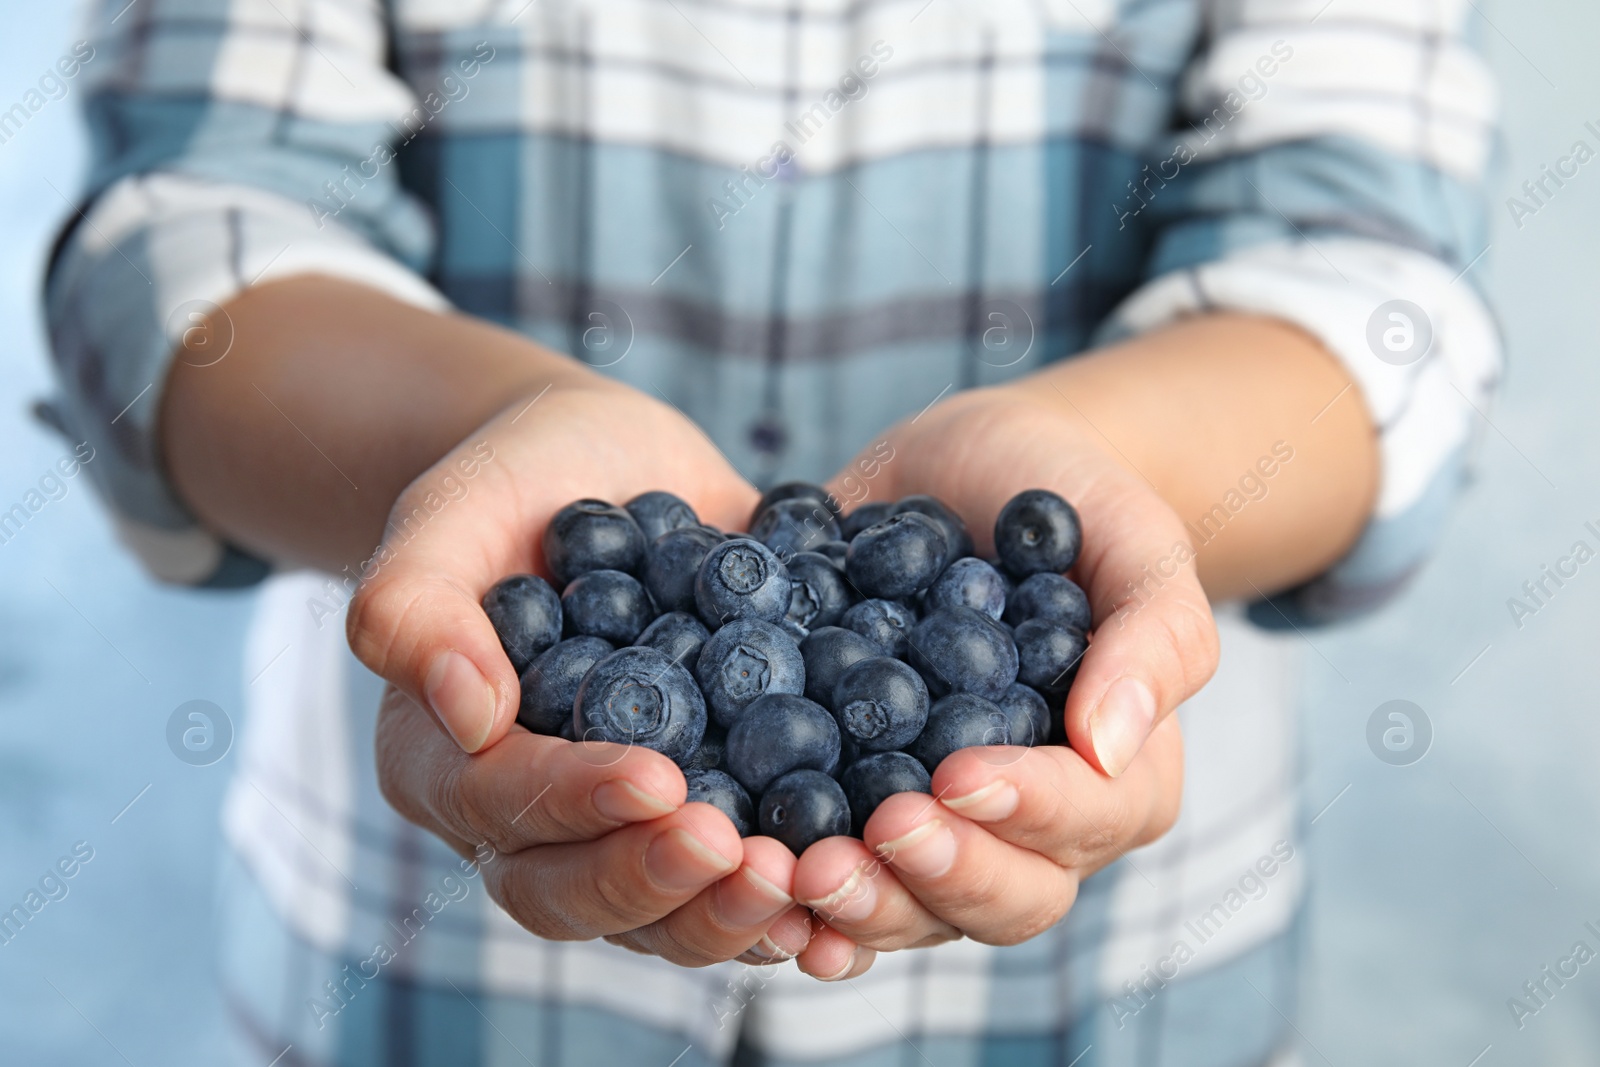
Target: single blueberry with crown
x=886, y=622
x=637, y=696
x=818, y=592
x=744, y=660
x=881, y=704
x=741, y=579
x=969, y=582
x=1037, y=532
x=802, y=808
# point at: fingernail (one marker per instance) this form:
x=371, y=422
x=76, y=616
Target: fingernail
x=677, y=860
x=926, y=852
x=750, y=904
x=851, y=902
x=461, y=697
x=1119, y=726
x=848, y=965
x=993, y=802
x=623, y=802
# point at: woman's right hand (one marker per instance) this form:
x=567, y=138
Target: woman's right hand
x=590, y=840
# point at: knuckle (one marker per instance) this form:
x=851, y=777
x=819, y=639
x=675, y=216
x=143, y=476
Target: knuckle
x=523, y=896
x=623, y=906
x=452, y=804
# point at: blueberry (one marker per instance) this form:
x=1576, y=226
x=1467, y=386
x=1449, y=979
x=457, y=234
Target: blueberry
x=802, y=808
x=779, y=733
x=724, y=794
x=792, y=526
x=1037, y=532
x=873, y=779
x=899, y=556
x=638, y=696
x=677, y=635
x=746, y=659
x=1048, y=595
x=592, y=535
x=864, y=516
x=881, y=703
x=526, y=614
x=886, y=622
x=713, y=748
x=1048, y=654
x=960, y=720
x=606, y=604
x=1027, y=715
x=658, y=511
x=673, y=562
x=958, y=650
x=834, y=552
x=795, y=491
x=741, y=579
x=968, y=583
x=828, y=652
x=818, y=592
x=550, y=684
x=958, y=540
x=849, y=752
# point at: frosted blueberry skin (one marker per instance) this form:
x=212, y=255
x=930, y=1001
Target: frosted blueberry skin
x=864, y=516
x=1049, y=596
x=874, y=778
x=672, y=563
x=886, y=622
x=744, y=660
x=802, y=808
x=550, y=684
x=592, y=535
x=1049, y=654
x=968, y=583
x=958, y=541
x=779, y=733
x=526, y=615
x=658, y=511
x=608, y=604
x=637, y=696
x=1037, y=532
x=794, y=491
x=827, y=653
x=818, y=592
x=789, y=527
x=959, y=650
x=1027, y=715
x=880, y=703
x=677, y=635
x=960, y=720
x=741, y=579
x=726, y=795
x=899, y=556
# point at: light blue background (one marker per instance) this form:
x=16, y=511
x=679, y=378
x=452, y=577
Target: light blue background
x=1438, y=888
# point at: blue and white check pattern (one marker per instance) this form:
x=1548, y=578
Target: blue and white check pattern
x=797, y=221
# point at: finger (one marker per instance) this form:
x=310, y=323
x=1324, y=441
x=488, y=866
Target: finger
x=1049, y=800
x=728, y=918
x=1154, y=643
x=989, y=889
x=626, y=879
x=850, y=888
x=833, y=957
x=528, y=790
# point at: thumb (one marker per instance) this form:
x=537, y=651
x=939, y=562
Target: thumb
x=1155, y=641
x=416, y=622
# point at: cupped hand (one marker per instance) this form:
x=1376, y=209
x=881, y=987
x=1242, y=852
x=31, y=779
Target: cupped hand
x=589, y=840
x=998, y=851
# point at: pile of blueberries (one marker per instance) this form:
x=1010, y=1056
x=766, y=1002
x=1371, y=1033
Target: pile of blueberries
x=803, y=672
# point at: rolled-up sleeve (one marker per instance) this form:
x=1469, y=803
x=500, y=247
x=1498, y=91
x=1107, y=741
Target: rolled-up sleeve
x=1330, y=173
x=234, y=142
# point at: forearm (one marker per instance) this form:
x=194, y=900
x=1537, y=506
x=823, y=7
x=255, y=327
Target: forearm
x=1203, y=411
x=331, y=400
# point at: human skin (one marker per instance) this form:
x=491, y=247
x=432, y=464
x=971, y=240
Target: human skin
x=338, y=405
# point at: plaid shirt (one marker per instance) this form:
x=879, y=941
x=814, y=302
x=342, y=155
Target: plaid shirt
x=797, y=222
